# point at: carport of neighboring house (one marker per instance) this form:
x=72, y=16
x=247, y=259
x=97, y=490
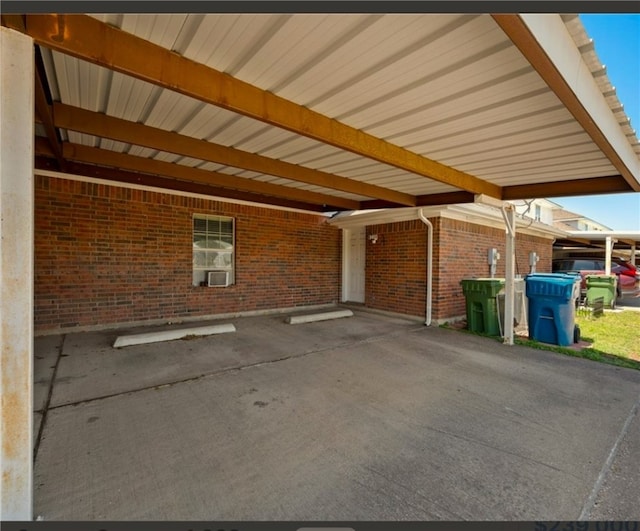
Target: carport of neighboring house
x=170, y=147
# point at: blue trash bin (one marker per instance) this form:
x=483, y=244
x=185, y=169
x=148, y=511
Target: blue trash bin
x=552, y=307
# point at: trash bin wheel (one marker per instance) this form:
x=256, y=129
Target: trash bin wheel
x=576, y=334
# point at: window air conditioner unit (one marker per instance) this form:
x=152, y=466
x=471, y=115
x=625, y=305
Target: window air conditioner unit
x=218, y=278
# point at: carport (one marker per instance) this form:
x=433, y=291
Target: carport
x=307, y=113
x=608, y=241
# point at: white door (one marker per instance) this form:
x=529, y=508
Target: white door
x=355, y=247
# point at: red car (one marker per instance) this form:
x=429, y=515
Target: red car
x=628, y=274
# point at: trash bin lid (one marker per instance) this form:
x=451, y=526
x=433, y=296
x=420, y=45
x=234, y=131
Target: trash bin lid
x=600, y=280
x=553, y=276
x=554, y=285
x=489, y=286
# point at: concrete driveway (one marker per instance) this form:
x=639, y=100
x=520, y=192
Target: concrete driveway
x=366, y=418
x=629, y=303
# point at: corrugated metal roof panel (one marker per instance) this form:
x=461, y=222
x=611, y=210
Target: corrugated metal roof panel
x=520, y=133
x=450, y=87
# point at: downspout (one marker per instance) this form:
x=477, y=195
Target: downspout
x=424, y=220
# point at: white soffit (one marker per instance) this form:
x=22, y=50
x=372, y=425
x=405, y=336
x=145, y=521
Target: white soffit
x=556, y=40
x=471, y=213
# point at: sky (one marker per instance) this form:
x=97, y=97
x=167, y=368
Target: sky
x=617, y=43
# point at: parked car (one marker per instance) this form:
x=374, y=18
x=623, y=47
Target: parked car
x=628, y=274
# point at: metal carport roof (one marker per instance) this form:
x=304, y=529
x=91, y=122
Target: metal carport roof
x=330, y=112
x=622, y=239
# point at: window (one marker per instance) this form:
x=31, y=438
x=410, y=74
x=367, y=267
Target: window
x=213, y=244
x=538, y=212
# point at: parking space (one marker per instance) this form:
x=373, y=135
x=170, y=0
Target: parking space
x=365, y=418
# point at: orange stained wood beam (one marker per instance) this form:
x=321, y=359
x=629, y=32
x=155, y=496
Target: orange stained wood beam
x=89, y=39
x=156, y=181
x=43, y=110
x=101, y=125
x=103, y=157
x=592, y=186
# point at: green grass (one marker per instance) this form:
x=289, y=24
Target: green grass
x=614, y=339
x=616, y=333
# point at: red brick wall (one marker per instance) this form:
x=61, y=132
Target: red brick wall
x=396, y=264
x=395, y=272
x=461, y=252
x=106, y=255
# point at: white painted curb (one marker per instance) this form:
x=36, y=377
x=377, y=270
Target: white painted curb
x=168, y=335
x=313, y=317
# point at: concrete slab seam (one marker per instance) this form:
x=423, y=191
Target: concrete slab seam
x=47, y=404
x=231, y=369
x=606, y=467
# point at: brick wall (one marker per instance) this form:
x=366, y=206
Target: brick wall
x=106, y=255
x=396, y=264
x=461, y=252
x=395, y=272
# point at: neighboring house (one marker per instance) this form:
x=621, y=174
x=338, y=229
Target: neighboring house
x=540, y=210
x=570, y=221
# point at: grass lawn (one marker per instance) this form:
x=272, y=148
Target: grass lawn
x=613, y=338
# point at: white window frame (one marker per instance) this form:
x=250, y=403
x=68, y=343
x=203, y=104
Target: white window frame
x=213, y=247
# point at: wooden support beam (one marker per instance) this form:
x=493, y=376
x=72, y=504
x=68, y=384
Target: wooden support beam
x=596, y=185
x=114, y=159
x=15, y=22
x=101, y=125
x=43, y=110
x=42, y=147
x=121, y=176
x=569, y=241
x=91, y=40
x=583, y=241
x=448, y=198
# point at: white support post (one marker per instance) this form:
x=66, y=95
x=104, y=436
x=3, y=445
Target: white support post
x=509, y=214
x=16, y=273
x=609, y=250
x=633, y=254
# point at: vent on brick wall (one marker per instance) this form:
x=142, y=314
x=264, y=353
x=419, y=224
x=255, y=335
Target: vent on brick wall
x=218, y=278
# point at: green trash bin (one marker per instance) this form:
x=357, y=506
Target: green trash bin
x=481, y=301
x=604, y=286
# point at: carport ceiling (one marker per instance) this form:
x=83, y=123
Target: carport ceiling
x=323, y=112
